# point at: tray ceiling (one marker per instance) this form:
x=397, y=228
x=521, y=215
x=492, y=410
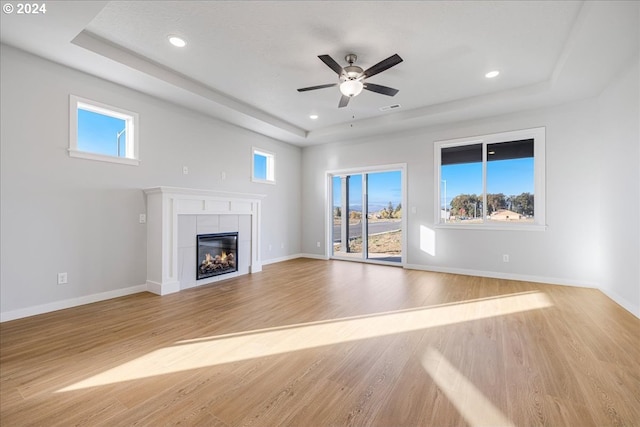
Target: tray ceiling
x=244, y=60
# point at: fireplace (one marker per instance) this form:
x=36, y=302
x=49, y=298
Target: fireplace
x=216, y=254
x=175, y=216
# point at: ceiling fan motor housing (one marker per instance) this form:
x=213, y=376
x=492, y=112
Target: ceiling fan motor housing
x=351, y=71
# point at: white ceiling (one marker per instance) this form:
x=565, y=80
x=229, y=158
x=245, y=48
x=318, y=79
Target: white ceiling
x=245, y=59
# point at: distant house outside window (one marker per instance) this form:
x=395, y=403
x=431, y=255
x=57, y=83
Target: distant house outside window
x=102, y=132
x=263, y=166
x=492, y=181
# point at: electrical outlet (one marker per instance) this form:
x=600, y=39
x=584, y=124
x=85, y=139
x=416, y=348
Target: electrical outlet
x=505, y=258
x=185, y=170
x=223, y=176
x=281, y=245
x=62, y=278
x=270, y=247
x=143, y=218
x=318, y=244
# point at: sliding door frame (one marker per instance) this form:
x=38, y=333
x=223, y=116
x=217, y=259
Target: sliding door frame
x=328, y=222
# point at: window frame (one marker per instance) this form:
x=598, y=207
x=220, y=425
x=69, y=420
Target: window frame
x=131, y=122
x=271, y=166
x=539, y=136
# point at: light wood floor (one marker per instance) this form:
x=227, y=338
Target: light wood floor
x=329, y=343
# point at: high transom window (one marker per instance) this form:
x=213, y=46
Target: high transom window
x=102, y=132
x=263, y=166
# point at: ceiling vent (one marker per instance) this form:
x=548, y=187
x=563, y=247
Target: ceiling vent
x=390, y=107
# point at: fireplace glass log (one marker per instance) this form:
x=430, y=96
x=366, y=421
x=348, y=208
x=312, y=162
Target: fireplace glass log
x=217, y=254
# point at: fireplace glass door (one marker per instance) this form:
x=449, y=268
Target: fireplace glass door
x=217, y=254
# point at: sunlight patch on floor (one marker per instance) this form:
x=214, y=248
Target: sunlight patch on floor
x=216, y=350
x=474, y=407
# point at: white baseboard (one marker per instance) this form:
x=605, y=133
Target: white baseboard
x=506, y=276
x=88, y=299
x=154, y=287
x=162, y=289
x=280, y=259
x=313, y=256
x=462, y=271
x=149, y=286
x=622, y=302
x=290, y=257
x=631, y=308
x=68, y=303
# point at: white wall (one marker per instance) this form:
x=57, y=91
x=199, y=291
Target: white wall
x=619, y=193
x=54, y=208
x=568, y=252
x=62, y=214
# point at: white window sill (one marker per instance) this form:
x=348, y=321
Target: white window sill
x=493, y=227
x=103, y=158
x=263, y=181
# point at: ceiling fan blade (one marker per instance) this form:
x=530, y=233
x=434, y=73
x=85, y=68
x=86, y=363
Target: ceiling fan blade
x=331, y=63
x=385, y=90
x=304, y=89
x=344, y=101
x=382, y=65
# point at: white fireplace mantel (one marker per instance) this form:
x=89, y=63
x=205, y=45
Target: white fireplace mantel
x=164, y=204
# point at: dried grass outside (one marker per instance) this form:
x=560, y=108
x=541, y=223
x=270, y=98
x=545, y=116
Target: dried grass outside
x=384, y=243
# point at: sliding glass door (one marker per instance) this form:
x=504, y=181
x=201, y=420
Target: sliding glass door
x=384, y=216
x=366, y=215
x=354, y=215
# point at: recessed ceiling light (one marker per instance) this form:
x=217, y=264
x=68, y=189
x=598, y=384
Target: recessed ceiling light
x=177, y=41
x=492, y=74
x=313, y=116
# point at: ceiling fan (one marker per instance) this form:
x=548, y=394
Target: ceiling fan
x=352, y=79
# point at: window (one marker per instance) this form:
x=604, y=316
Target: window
x=101, y=132
x=263, y=166
x=491, y=181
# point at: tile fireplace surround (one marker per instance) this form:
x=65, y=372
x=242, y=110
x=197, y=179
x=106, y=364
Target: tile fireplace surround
x=176, y=215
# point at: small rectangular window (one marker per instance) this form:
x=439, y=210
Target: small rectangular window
x=491, y=181
x=263, y=166
x=102, y=132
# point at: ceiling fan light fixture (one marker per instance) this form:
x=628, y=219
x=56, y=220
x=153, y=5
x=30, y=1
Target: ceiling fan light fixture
x=351, y=79
x=351, y=88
